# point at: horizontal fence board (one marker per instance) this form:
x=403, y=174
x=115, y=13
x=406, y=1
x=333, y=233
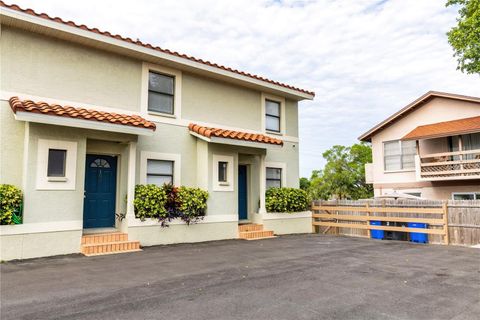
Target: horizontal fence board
x=385, y=228
x=380, y=209
x=377, y=218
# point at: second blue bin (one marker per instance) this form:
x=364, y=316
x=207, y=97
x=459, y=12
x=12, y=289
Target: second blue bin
x=417, y=236
x=377, y=234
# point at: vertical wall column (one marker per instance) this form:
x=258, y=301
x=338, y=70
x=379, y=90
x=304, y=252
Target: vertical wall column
x=202, y=164
x=262, y=183
x=132, y=159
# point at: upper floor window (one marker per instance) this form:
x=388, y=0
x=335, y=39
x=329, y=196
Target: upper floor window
x=399, y=155
x=159, y=172
x=272, y=115
x=161, y=95
x=274, y=178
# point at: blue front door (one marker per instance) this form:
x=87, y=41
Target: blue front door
x=242, y=193
x=100, y=189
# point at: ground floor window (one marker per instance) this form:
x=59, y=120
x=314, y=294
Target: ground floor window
x=223, y=173
x=274, y=178
x=466, y=196
x=160, y=172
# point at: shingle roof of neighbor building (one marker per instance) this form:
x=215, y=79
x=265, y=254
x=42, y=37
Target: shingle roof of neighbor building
x=446, y=128
x=147, y=45
x=230, y=134
x=367, y=136
x=18, y=105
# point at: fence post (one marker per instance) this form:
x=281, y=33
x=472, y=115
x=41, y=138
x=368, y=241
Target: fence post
x=367, y=205
x=445, y=223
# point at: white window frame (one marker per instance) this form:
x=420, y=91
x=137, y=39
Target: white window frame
x=223, y=185
x=277, y=165
x=281, y=100
x=177, y=99
x=469, y=193
x=175, y=157
x=44, y=182
x=401, y=163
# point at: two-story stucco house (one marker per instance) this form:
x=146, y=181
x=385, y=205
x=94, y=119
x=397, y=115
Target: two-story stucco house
x=430, y=149
x=87, y=115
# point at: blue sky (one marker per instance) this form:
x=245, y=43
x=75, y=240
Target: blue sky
x=364, y=59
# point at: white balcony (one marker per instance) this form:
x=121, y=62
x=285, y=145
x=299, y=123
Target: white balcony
x=458, y=165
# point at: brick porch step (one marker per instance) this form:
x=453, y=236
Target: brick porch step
x=250, y=227
x=108, y=243
x=254, y=232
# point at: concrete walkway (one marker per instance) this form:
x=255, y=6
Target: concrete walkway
x=290, y=277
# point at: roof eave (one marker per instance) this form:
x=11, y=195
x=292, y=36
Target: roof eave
x=52, y=28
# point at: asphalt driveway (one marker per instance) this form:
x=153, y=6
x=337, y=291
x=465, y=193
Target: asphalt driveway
x=290, y=277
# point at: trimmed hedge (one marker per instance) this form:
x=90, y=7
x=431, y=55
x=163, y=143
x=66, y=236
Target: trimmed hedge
x=11, y=201
x=168, y=202
x=286, y=200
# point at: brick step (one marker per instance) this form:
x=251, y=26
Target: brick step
x=104, y=237
x=261, y=238
x=110, y=247
x=250, y=227
x=255, y=234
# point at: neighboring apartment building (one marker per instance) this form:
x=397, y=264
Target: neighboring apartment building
x=430, y=148
x=78, y=103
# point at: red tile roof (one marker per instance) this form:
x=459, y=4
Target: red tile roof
x=147, y=45
x=445, y=129
x=230, y=134
x=18, y=105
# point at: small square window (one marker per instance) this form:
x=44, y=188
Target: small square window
x=161, y=93
x=222, y=171
x=56, y=162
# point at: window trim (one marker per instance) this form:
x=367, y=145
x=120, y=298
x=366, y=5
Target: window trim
x=228, y=185
x=401, y=158
x=264, y=97
x=277, y=165
x=174, y=157
x=45, y=182
x=177, y=94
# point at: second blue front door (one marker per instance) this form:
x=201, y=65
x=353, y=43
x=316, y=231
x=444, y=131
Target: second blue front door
x=242, y=193
x=100, y=190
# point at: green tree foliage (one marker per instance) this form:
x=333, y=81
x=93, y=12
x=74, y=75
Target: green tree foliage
x=465, y=37
x=11, y=199
x=304, y=183
x=343, y=176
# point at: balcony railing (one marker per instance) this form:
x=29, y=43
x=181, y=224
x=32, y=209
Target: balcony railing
x=458, y=165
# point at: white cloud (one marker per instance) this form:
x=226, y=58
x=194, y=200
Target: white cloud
x=364, y=59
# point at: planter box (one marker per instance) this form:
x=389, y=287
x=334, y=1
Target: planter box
x=286, y=215
x=288, y=223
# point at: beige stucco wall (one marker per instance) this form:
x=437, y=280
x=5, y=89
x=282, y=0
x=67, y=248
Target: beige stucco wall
x=436, y=110
x=11, y=147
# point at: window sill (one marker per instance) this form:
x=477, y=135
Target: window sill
x=274, y=132
x=57, y=179
x=224, y=184
x=399, y=171
x=165, y=115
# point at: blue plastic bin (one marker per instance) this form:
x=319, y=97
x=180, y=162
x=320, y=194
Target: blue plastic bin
x=416, y=236
x=377, y=234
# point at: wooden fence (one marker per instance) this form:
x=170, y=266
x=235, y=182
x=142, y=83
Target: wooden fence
x=449, y=222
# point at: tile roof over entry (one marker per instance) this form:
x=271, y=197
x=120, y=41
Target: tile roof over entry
x=230, y=134
x=149, y=46
x=56, y=110
x=445, y=129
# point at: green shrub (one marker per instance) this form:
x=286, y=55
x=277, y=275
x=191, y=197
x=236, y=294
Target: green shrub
x=193, y=203
x=168, y=202
x=286, y=200
x=150, y=202
x=11, y=200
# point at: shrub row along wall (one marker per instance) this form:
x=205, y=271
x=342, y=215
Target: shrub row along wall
x=463, y=217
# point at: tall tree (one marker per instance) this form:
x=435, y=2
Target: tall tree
x=343, y=176
x=465, y=37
